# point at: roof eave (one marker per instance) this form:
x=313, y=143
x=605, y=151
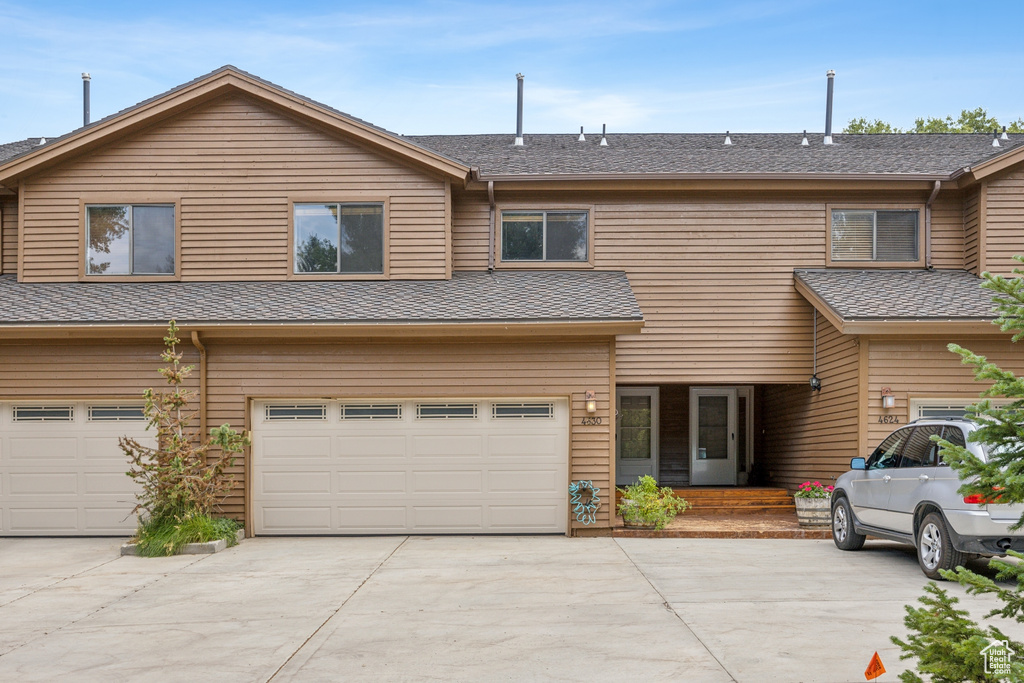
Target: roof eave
x=923, y=181
x=609, y=327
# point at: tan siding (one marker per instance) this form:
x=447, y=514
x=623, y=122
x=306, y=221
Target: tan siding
x=926, y=369
x=233, y=164
x=813, y=435
x=948, y=231
x=426, y=369
x=1004, y=224
x=9, y=235
x=972, y=230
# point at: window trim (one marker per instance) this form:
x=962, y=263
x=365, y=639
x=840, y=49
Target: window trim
x=86, y=201
x=342, y=198
x=501, y=209
x=879, y=206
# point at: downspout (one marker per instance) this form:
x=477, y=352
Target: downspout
x=202, y=383
x=490, y=233
x=928, y=225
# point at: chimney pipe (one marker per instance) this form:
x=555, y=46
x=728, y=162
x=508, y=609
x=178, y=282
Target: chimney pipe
x=519, y=112
x=85, y=98
x=828, y=107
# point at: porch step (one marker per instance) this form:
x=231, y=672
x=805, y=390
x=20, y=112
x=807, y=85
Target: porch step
x=692, y=524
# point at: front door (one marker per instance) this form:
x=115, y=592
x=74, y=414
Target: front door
x=713, y=444
x=636, y=434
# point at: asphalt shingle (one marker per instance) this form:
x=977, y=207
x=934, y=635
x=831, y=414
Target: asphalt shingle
x=469, y=297
x=900, y=294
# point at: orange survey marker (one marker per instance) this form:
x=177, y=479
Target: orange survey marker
x=875, y=668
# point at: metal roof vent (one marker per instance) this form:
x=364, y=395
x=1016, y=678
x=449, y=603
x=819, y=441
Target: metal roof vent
x=728, y=140
x=831, y=75
x=1004, y=136
x=519, y=111
x=604, y=129
x=42, y=141
x=85, y=98
x=581, y=138
x=995, y=138
x=804, y=142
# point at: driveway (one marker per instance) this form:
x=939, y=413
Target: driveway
x=456, y=608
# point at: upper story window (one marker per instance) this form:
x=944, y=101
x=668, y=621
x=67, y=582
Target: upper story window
x=889, y=235
x=339, y=238
x=130, y=239
x=544, y=236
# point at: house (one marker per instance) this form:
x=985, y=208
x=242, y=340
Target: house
x=437, y=334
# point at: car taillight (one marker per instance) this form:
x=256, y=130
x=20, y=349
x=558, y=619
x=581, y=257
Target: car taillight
x=983, y=498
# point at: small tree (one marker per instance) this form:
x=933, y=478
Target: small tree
x=181, y=476
x=945, y=641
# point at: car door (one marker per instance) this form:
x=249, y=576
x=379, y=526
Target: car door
x=870, y=492
x=913, y=479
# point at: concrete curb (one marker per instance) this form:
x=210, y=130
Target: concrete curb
x=191, y=548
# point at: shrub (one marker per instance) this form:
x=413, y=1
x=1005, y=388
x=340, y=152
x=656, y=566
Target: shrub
x=645, y=504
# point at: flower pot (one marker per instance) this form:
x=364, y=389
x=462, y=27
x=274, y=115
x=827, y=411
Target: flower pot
x=813, y=511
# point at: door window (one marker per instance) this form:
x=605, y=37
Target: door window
x=920, y=450
x=955, y=436
x=888, y=452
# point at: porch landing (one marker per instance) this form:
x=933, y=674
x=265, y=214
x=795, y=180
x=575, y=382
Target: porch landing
x=732, y=512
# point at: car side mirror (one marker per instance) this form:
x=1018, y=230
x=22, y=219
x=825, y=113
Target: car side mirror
x=858, y=464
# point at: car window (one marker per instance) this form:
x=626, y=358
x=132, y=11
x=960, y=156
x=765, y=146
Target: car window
x=920, y=450
x=955, y=436
x=888, y=452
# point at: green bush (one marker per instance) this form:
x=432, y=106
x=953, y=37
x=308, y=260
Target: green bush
x=643, y=503
x=167, y=534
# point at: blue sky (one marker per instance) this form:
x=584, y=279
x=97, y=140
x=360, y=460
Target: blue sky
x=449, y=66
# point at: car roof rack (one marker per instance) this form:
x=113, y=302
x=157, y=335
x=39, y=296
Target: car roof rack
x=941, y=419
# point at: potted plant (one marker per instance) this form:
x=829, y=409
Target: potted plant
x=645, y=506
x=813, y=504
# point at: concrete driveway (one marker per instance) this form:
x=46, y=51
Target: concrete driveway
x=456, y=608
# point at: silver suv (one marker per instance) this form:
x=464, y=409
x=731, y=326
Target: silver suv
x=903, y=493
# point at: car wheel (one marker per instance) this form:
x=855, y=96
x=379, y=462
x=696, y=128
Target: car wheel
x=843, y=533
x=934, y=549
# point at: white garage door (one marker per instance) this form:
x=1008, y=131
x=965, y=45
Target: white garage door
x=61, y=471
x=428, y=467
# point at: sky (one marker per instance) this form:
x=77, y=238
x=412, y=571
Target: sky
x=441, y=67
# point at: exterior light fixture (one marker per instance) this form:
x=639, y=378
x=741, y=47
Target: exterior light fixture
x=888, y=400
x=815, y=383
x=591, y=398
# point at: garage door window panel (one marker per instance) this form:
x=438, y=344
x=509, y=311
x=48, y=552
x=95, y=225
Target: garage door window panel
x=446, y=411
x=391, y=411
x=297, y=412
x=116, y=414
x=522, y=411
x=44, y=414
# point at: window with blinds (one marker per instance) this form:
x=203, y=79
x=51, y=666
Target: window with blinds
x=874, y=235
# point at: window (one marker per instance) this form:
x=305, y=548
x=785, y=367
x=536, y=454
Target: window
x=44, y=414
x=339, y=238
x=874, y=235
x=501, y=411
x=116, y=414
x=446, y=411
x=130, y=239
x=544, y=236
x=371, y=411
x=888, y=452
x=920, y=450
x=297, y=411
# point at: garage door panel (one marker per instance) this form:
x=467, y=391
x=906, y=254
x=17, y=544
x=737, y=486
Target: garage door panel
x=109, y=520
x=371, y=446
x=522, y=445
x=525, y=481
x=37, y=484
x=44, y=520
x=437, y=475
x=536, y=517
x=372, y=482
x=448, y=517
x=308, y=519
x=372, y=518
x=447, y=481
x=52, y=450
x=309, y=482
x=295, y=447
x=104, y=450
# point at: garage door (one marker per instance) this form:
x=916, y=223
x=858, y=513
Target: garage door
x=427, y=467
x=61, y=471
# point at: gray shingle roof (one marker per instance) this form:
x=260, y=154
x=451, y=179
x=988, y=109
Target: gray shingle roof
x=9, y=150
x=876, y=295
x=684, y=153
x=469, y=297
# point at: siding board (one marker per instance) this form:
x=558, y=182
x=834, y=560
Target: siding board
x=1004, y=222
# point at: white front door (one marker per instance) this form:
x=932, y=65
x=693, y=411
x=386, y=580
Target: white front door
x=713, y=441
x=636, y=434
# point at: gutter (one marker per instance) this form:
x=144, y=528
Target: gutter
x=928, y=225
x=490, y=233
x=574, y=177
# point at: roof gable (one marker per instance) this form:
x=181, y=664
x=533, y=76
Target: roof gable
x=224, y=81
